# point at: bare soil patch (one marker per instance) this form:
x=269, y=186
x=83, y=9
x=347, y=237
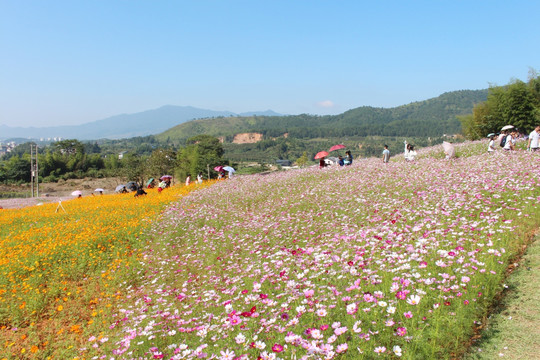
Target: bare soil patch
x=53, y=192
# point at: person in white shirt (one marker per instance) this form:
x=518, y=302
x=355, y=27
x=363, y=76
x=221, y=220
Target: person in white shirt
x=508, y=145
x=410, y=154
x=491, y=146
x=532, y=145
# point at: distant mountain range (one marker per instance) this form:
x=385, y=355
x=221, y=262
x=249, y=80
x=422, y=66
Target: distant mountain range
x=123, y=126
x=429, y=118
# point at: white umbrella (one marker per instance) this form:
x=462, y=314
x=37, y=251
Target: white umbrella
x=229, y=169
x=76, y=193
x=449, y=149
x=507, y=127
x=99, y=190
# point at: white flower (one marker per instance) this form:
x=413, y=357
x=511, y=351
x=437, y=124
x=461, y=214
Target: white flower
x=240, y=338
x=260, y=345
x=316, y=334
x=413, y=300
x=227, y=355
x=397, y=350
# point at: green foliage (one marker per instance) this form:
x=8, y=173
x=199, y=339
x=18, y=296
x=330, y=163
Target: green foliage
x=515, y=104
x=202, y=152
x=160, y=162
x=302, y=160
x=133, y=168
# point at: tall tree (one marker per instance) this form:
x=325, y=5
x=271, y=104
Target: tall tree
x=201, y=152
x=160, y=162
x=516, y=104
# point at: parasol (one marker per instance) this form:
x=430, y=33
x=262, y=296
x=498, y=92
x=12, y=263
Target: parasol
x=337, y=147
x=449, y=149
x=321, y=154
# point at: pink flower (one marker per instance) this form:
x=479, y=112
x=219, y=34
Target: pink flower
x=401, y=331
x=235, y=320
x=401, y=295
x=408, y=314
x=277, y=348
x=342, y=348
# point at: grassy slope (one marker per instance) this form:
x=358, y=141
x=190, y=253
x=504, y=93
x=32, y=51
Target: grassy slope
x=245, y=237
x=513, y=330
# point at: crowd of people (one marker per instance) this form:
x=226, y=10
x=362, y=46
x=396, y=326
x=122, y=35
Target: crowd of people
x=508, y=138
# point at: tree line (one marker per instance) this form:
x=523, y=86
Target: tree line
x=71, y=159
x=517, y=104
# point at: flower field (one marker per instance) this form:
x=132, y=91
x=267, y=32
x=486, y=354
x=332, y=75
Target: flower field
x=61, y=266
x=398, y=260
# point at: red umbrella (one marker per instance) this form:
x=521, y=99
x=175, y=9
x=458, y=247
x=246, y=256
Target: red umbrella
x=337, y=147
x=219, y=168
x=321, y=154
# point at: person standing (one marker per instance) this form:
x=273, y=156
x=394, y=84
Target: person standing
x=410, y=154
x=532, y=144
x=199, y=178
x=385, y=154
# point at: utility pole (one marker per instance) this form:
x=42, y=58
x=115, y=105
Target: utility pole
x=208, y=168
x=34, y=168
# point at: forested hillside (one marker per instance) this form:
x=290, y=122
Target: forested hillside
x=429, y=118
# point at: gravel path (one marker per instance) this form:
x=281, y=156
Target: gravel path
x=18, y=203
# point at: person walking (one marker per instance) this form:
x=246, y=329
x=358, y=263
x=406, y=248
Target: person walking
x=385, y=154
x=534, y=136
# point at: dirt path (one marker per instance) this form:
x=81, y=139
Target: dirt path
x=53, y=192
x=513, y=331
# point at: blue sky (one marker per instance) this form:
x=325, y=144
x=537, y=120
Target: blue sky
x=72, y=62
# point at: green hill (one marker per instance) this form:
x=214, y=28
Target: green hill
x=430, y=118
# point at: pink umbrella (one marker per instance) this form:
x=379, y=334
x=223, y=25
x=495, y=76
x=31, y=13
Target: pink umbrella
x=219, y=168
x=337, y=147
x=321, y=154
x=165, y=177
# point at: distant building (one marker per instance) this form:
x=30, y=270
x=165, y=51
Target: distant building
x=7, y=147
x=121, y=155
x=284, y=162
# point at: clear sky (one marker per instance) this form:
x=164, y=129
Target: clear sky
x=77, y=61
